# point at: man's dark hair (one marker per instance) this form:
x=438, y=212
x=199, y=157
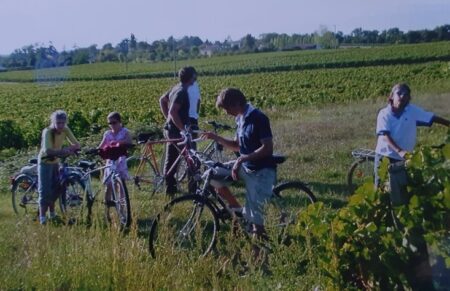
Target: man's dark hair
x=230, y=97
x=186, y=74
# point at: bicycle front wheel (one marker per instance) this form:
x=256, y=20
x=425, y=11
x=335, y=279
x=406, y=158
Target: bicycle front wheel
x=289, y=199
x=359, y=173
x=72, y=200
x=25, y=196
x=188, y=225
x=118, y=209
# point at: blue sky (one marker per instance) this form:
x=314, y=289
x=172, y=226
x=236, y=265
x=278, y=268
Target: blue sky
x=84, y=22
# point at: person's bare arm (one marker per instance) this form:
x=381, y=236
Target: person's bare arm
x=265, y=150
x=175, y=117
x=393, y=145
x=441, y=120
x=164, y=105
x=231, y=144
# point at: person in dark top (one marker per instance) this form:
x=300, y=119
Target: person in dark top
x=175, y=107
x=255, y=164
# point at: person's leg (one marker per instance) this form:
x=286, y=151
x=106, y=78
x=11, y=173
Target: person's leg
x=194, y=126
x=376, y=167
x=171, y=156
x=398, y=180
x=108, y=194
x=418, y=271
x=47, y=177
x=226, y=194
x=259, y=186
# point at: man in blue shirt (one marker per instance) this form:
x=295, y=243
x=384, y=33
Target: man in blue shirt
x=255, y=165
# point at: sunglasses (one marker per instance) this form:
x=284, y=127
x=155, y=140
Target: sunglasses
x=402, y=93
x=112, y=122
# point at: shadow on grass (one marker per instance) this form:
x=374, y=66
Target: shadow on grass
x=143, y=226
x=335, y=195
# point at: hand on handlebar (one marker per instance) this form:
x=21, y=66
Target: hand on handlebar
x=208, y=135
x=70, y=150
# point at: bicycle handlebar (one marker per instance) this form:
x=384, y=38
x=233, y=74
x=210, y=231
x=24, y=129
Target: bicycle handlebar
x=187, y=137
x=217, y=125
x=52, y=157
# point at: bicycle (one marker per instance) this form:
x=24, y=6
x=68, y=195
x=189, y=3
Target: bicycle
x=118, y=208
x=191, y=222
x=361, y=169
x=149, y=175
x=24, y=189
x=212, y=150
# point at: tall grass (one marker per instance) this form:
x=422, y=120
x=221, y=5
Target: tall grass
x=317, y=140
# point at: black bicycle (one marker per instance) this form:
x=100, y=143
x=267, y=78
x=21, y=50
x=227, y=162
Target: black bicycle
x=191, y=223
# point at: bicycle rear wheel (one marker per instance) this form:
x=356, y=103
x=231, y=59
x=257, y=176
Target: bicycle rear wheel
x=25, y=196
x=187, y=225
x=289, y=199
x=148, y=179
x=359, y=173
x=72, y=201
x=118, y=209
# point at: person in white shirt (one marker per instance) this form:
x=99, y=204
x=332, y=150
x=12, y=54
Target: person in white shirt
x=396, y=135
x=194, y=107
x=397, y=131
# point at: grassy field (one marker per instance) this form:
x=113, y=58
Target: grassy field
x=317, y=139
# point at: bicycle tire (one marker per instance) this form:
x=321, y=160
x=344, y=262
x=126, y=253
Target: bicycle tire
x=359, y=173
x=289, y=199
x=25, y=196
x=149, y=180
x=72, y=201
x=119, y=215
x=188, y=224
x=221, y=156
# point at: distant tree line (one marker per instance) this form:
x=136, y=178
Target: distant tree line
x=132, y=50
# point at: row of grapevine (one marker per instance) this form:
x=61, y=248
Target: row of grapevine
x=245, y=64
x=29, y=104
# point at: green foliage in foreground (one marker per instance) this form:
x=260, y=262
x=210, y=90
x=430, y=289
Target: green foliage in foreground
x=360, y=246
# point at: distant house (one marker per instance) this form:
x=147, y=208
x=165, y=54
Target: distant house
x=2, y=69
x=209, y=49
